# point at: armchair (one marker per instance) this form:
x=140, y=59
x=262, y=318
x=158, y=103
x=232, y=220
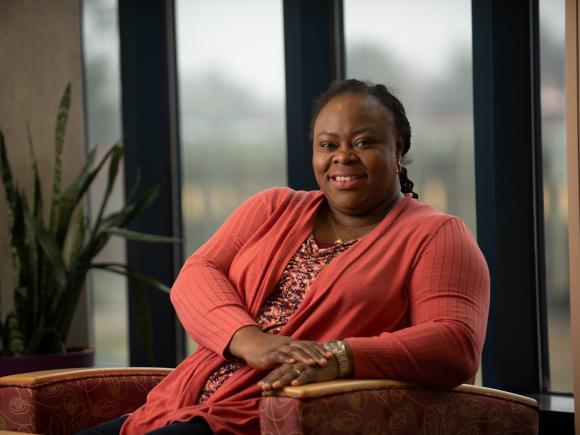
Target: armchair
x=397, y=408
x=65, y=401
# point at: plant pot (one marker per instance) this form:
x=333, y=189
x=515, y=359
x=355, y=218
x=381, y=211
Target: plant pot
x=74, y=357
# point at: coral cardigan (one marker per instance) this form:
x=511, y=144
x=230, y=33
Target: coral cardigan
x=411, y=298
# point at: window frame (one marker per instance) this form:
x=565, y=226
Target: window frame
x=509, y=212
x=314, y=57
x=509, y=203
x=150, y=135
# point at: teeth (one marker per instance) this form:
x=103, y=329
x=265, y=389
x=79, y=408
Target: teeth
x=346, y=178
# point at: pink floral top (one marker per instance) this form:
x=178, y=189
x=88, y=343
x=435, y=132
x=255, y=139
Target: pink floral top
x=295, y=281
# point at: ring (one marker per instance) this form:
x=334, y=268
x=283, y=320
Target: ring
x=298, y=372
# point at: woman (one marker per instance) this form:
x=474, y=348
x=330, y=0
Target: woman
x=356, y=280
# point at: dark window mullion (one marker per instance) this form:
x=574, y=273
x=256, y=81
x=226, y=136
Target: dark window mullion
x=314, y=57
x=151, y=151
x=542, y=301
x=506, y=161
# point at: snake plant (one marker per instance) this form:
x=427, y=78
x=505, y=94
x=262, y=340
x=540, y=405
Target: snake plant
x=52, y=256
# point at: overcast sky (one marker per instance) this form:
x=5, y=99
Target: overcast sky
x=243, y=40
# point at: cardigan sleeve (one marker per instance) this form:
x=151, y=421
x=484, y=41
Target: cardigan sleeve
x=207, y=304
x=448, y=296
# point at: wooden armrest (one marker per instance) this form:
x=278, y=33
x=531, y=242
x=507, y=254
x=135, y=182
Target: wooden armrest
x=321, y=389
x=41, y=377
x=9, y=432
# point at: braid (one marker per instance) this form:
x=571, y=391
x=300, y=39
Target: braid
x=388, y=100
x=406, y=183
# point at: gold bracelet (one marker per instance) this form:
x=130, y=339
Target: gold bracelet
x=338, y=349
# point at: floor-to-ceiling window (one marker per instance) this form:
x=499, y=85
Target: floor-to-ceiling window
x=232, y=108
x=232, y=132
x=103, y=125
x=555, y=192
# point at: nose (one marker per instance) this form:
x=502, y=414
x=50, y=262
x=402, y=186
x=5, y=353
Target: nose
x=344, y=155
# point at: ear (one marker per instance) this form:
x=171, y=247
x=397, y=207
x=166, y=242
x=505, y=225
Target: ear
x=400, y=147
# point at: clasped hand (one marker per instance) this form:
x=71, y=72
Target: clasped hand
x=294, y=362
x=299, y=374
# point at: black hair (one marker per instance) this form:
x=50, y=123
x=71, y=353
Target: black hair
x=388, y=100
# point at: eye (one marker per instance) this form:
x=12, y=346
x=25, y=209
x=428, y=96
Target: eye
x=326, y=145
x=363, y=143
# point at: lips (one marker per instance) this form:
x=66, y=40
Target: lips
x=346, y=181
x=346, y=177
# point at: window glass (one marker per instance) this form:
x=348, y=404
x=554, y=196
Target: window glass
x=232, y=108
x=103, y=124
x=421, y=50
x=555, y=192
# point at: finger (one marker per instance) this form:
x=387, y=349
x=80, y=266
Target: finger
x=281, y=376
x=306, y=377
x=314, y=349
x=283, y=381
x=313, y=352
x=277, y=356
x=266, y=382
x=323, y=353
x=303, y=355
x=281, y=356
x=316, y=374
x=273, y=382
x=288, y=376
x=292, y=353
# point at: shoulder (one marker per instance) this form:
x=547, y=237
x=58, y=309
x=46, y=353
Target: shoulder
x=422, y=215
x=424, y=223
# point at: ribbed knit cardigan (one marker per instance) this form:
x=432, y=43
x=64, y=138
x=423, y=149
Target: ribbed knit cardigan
x=411, y=298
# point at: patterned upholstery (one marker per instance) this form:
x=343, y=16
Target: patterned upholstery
x=64, y=402
x=398, y=410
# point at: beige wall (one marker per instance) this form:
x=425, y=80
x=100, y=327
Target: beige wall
x=40, y=52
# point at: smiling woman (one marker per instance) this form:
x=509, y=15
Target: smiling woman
x=356, y=157
x=401, y=293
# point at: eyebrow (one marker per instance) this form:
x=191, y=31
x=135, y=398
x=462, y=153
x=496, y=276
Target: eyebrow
x=366, y=130
x=357, y=131
x=326, y=133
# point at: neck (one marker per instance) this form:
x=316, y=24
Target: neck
x=347, y=221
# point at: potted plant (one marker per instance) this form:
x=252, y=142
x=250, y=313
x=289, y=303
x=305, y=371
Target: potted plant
x=51, y=257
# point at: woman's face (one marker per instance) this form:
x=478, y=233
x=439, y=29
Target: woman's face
x=355, y=155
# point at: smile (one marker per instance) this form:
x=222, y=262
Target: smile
x=347, y=182
x=346, y=177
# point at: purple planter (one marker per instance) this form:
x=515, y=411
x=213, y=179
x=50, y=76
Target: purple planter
x=73, y=358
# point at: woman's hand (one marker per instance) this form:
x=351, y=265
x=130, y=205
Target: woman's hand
x=299, y=374
x=263, y=351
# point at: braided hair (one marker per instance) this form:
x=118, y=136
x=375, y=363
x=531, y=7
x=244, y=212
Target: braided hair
x=388, y=100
